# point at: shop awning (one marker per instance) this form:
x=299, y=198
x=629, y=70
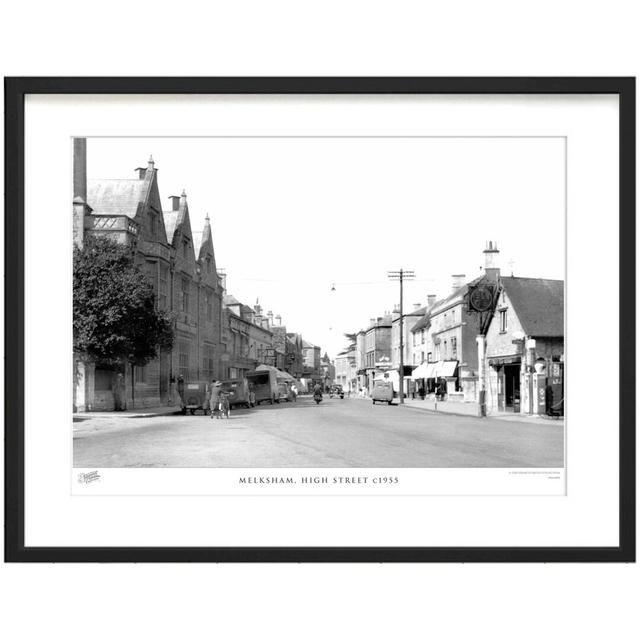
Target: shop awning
x=421, y=371
x=440, y=369
x=448, y=368
x=280, y=375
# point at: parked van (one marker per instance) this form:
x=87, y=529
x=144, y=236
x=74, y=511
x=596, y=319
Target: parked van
x=238, y=390
x=382, y=391
x=264, y=385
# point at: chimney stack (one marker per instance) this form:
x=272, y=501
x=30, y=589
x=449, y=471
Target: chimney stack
x=457, y=281
x=279, y=320
x=80, y=168
x=270, y=317
x=175, y=202
x=416, y=306
x=431, y=300
x=491, y=268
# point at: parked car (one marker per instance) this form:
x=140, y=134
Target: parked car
x=238, y=390
x=284, y=391
x=195, y=395
x=382, y=391
x=336, y=390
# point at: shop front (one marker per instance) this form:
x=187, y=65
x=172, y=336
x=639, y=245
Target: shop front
x=505, y=383
x=439, y=379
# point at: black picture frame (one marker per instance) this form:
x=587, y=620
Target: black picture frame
x=15, y=91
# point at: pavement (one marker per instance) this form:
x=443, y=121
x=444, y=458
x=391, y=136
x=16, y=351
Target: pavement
x=148, y=412
x=336, y=433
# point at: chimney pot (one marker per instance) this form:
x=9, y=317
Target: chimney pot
x=457, y=281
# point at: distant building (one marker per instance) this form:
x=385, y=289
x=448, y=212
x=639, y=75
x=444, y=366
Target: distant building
x=328, y=371
x=361, y=360
x=311, y=361
x=248, y=342
x=407, y=323
x=295, y=357
x=377, y=345
x=346, y=375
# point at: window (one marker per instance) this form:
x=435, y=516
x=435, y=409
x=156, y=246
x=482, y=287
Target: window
x=444, y=351
x=163, y=287
x=183, y=359
x=454, y=348
x=185, y=295
x=207, y=362
x=429, y=357
x=422, y=336
x=152, y=224
x=503, y=320
x=208, y=264
x=421, y=357
x=209, y=302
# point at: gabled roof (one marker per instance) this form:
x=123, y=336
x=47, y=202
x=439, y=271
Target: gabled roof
x=170, y=223
x=423, y=323
x=117, y=196
x=202, y=238
x=197, y=242
x=307, y=345
x=538, y=303
x=455, y=296
x=229, y=300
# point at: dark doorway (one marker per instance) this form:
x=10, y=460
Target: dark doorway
x=512, y=386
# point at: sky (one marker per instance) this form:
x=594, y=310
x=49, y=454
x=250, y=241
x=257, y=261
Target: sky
x=311, y=226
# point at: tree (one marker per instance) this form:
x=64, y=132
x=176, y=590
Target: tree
x=352, y=340
x=115, y=321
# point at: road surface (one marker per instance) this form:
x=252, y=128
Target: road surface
x=337, y=433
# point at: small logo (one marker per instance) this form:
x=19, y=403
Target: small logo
x=90, y=476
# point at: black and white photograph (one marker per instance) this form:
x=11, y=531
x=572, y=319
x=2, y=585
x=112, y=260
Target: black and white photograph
x=319, y=302
x=357, y=315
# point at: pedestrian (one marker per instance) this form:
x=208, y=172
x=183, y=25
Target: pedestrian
x=294, y=392
x=214, y=399
x=117, y=388
x=180, y=386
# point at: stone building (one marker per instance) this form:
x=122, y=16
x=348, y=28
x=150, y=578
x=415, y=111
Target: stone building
x=328, y=371
x=295, y=358
x=377, y=347
x=407, y=322
x=345, y=365
x=178, y=263
x=525, y=344
x=311, y=362
x=248, y=342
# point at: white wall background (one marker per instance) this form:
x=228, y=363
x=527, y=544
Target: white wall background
x=328, y=38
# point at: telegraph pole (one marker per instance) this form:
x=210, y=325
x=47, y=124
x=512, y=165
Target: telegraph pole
x=401, y=276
